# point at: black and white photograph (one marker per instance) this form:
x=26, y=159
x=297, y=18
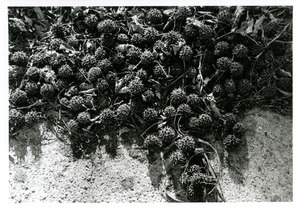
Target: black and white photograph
x=150, y=104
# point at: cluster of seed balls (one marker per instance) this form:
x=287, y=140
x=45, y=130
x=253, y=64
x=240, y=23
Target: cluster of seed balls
x=84, y=83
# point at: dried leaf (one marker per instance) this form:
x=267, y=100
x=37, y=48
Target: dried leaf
x=284, y=73
x=285, y=93
x=169, y=12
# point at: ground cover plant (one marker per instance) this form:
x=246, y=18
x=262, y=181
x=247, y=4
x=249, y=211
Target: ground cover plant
x=178, y=78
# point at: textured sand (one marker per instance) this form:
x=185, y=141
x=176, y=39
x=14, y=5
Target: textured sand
x=45, y=171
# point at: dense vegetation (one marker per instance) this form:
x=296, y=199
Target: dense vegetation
x=172, y=75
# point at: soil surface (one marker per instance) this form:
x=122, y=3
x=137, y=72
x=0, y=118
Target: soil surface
x=42, y=168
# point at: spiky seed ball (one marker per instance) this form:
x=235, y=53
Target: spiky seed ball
x=19, y=98
x=178, y=96
x=205, y=120
x=31, y=117
x=31, y=88
x=184, y=110
x=224, y=17
x=186, y=144
x=152, y=142
x=16, y=118
x=194, y=123
x=148, y=96
x=155, y=16
x=76, y=103
x=105, y=65
x=65, y=101
x=65, y=71
x=150, y=35
x=47, y=90
x=167, y=135
x=222, y=48
x=73, y=125
x=205, y=32
x=230, y=119
x=107, y=117
x=218, y=90
x=91, y=20
x=100, y=53
x=177, y=158
x=224, y=63
x=229, y=86
x=59, y=30
x=133, y=54
x=147, y=58
x=19, y=58
x=33, y=73
x=89, y=61
x=240, y=51
x=55, y=44
x=245, y=87
x=236, y=69
x=239, y=129
x=83, y=117
x=57, y=61
x=136, y=86
x=137, y=39
x=93, y=74
x=169, y=111
x=107, y=26
x=142, y=74
x=122, y=38
x=191, y=31
x=171, y=37
x=39, y=60
x=194, y=100
x=186, y=53
x=123, y=111
x=150, y=115
x=231, y=141
x=61, y=84
x=182, y=13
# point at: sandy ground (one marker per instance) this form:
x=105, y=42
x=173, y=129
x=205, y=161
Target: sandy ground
x=43, y=169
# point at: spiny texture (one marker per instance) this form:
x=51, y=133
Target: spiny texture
x=152, y=142
x=150, y=115
x=169, y=111
x=178, y=96
x=186, y=144
x=19, y=58
x=47, y=91
x=155, y=16
x=107, y=26
x=136, y=86
x=19, y=98
x=76, y=103
x=166, y=134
